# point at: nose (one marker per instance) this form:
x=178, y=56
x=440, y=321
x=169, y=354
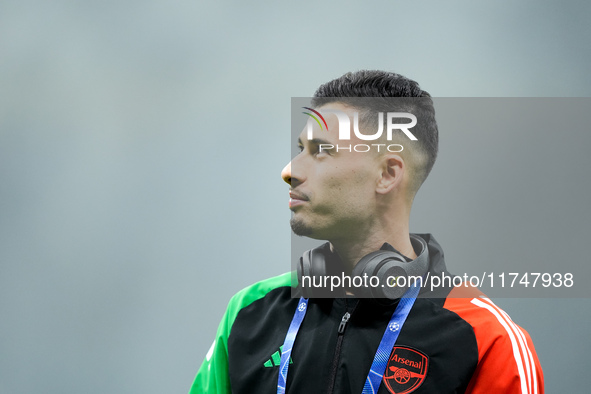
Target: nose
x=286, y=173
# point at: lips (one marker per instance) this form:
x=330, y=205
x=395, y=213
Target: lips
x=296, y=199
x=297, y=196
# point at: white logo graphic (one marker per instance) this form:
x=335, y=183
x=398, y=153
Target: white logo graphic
x=302, y=307
x=345, y=125
x=394, y=327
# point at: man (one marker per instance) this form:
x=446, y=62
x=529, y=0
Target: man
x=357, y=194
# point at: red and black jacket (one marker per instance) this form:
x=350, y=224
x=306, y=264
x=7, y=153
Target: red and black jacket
x=454, y=340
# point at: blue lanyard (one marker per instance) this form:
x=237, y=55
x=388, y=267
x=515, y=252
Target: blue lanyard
x=380, y=361
x=294, y=327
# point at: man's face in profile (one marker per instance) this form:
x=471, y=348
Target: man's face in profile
x=332, y=193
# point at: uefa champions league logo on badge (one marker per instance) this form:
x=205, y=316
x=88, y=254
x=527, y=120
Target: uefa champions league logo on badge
x=302, y=307
x=394, y=326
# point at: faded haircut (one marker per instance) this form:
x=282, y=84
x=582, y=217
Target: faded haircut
x=371, y=91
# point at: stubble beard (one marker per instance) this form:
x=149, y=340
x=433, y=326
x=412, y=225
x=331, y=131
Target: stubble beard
x=299, y=227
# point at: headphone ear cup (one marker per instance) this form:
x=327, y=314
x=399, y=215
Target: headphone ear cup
x=382, y=264
x=312, y=264
x=389, y=274
x=304, y=270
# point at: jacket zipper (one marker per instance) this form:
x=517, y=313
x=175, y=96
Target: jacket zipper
x=337, y=353
x=343, y=324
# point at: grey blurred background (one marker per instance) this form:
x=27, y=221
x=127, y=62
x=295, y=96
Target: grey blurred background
x=140, y=151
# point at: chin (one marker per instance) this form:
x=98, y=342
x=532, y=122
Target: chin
x=305, y=229
x=299, y=227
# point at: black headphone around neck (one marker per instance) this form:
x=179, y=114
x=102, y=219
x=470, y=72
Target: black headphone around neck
x=385, y=264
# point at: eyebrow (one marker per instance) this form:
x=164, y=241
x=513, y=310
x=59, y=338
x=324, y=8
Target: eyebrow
x=315, y=141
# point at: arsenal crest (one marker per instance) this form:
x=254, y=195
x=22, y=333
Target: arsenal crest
x=406, y=370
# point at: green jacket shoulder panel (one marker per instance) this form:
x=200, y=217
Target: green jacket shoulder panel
x=212, y=376
x=254, y=292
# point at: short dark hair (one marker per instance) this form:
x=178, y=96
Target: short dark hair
x=382, y=86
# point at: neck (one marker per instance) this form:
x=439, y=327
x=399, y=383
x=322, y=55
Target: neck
x=351, y=250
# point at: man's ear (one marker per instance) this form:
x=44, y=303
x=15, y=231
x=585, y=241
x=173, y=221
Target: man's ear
x=393, y=168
